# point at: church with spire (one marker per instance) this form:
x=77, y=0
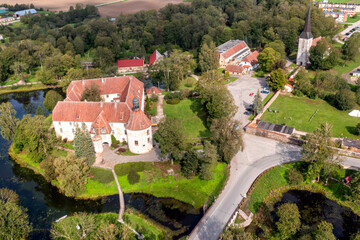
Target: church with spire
x=305, y=43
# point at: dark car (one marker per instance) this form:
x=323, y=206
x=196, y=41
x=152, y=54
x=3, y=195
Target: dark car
x=247, y=113
x=347, y=34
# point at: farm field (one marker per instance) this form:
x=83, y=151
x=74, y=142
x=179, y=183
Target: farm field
x=111, y=10
x=306, y=114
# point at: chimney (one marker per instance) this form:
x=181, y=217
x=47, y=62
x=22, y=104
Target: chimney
x=83, y=82
x=130, y=78
x=103, y=80
x=101, y=104
x=115, y=105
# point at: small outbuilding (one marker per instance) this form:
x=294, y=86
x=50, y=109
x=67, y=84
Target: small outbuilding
x=356, y=73
x=354, y=113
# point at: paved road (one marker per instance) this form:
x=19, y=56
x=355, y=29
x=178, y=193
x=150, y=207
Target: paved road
x=353, y=25
x=259, y=155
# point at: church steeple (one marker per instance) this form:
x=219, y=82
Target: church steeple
x=307, y=30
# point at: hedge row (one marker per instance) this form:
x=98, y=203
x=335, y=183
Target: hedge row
x=124, y=169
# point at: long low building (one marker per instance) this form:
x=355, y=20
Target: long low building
x=232, y=52
x=119, y=114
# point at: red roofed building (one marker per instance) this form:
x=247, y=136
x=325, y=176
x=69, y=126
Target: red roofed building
x=153, y=90
x=232, y=52
x=156, y=56
x=119, y=114
x=235, y=69
x=250, y=62
x=130, y=65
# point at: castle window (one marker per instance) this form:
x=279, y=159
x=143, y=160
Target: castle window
x=148, y=132
x=59, y=123
x=73, y=130
x=70, y=123
x=148, y=140
x=125, y=132
x=112, y=132
x=94, y=130
x=61, y=130
x=136, y=143
x=107, y=96
x=103, y=130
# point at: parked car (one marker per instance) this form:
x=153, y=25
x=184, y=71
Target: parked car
x=265, y=91
x=249, y=109
x=251, y=94
x=347, y=34
x=247, y=113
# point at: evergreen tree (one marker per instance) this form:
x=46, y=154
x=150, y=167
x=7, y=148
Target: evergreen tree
x=258, y=105
x=190, y=163
x=83, y=145
x=91, y=94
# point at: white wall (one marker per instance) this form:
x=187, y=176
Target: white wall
x=144, y=145
x=109, y=97
x=303, y=53
x=66, y=129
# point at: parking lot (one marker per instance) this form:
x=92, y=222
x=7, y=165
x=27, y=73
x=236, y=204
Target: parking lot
x=241, y=90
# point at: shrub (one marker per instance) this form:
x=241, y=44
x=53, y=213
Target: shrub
x=133, y=177
x=185, y=93
x=173, y=101
x=189, y=82
x=345, y=99
x=295, y=177
x=123, y=169
x=114, y=142
x=154, y=98
x=173, y=95
x=357, y=129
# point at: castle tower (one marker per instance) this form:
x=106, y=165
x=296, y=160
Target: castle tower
x=305, y=42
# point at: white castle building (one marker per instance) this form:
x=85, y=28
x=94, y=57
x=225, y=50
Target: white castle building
x=119, y=114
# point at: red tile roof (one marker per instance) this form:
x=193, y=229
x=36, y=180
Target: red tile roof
x=315, y=41
x=101, y=125
x=89, y=111
x=130, y=63
x=234, y=49
x=153, y=90
x=153, y=57
x=234, y=68
x=138, y=121
x=252, y=58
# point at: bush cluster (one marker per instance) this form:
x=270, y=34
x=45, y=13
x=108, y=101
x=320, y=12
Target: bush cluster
x=133, y=177
x=114, y=142
x=125, y=168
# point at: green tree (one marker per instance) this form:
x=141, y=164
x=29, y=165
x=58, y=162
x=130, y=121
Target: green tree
x=267, y=58
x=318, y=152
x=236, y=233
x=345, y=99
x=80, y=226
x=227, y=136
x=40, y=111
x=324, y=231
x=72, y=174
x=8, y=121
x=351, y=48
x=355, y=187
x=278, y=46
x=79, y=45
x=91, y=94
x=295, y=177
x=33, y=135
x=103, y=57
x=190, y=163
x=106, y=231
x=277, y=80
x=258, y=105
x=47, y=77
x=208, y=57
x=51, y=99
x=18, y=68
x=8, y=195
x=14, y=221
x=171, y=138
x=289, y=220
x=208, y=161
x=83, y=145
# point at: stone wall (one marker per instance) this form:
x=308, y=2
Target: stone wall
x=273, y=135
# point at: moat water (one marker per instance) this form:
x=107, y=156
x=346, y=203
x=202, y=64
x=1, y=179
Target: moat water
x=315, y=207
x=45, y=204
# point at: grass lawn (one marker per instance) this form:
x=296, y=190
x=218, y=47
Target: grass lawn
x=353, y=19
x=157, y=182
x=189, y=83
x=193, y=191
x=68, y=146
x=267, y=98
x=221, y=70
x=230, y=80
x=347, y=66
x=191, y=113
x=297, y=112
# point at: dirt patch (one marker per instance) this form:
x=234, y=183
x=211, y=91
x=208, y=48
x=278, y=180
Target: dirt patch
x=133, y=6
x=113, y=10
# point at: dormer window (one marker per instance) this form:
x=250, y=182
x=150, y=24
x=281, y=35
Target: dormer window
x=94, y=130
x=103, y=130
x=78, y=116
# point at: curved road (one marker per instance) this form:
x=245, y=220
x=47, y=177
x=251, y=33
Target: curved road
x=259, y=155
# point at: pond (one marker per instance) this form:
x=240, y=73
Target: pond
x=315, y=207
x=45, y=204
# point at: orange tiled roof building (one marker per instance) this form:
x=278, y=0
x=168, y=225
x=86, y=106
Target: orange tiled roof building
x=119, y=114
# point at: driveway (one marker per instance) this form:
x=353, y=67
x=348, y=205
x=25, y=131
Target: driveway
x=241, y=89
x=259, y=155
